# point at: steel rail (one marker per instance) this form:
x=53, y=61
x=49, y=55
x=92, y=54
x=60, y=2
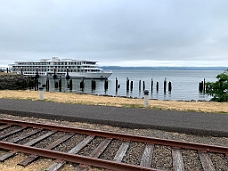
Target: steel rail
x=74, y=158
x=125, y=137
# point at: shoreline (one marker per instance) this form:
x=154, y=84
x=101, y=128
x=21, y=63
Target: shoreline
x=90, y=99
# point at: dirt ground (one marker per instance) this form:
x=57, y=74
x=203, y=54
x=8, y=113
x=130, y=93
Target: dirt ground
x=66, y=97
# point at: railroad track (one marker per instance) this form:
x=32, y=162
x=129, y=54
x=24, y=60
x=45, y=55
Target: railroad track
x=111, y=151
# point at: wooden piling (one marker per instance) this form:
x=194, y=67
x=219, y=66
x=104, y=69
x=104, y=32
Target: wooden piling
x=139, y=85
x=47, y=84
x=117, y=86
x=201, y=86
x=54, y=76
x=60, y=85
x=143, y=85
x=67, y=75
x=165, y=83
x=56, y=84
x=127, y=84
x=71, y=84
x=68, y=84
x=93, y=84
x=151, y=84
x=106, y=84
x=7, y=70
x=157, y=86
x=82, y=84
x=36, y=84
x=131, y=85
x=204, y=85
x=170, y=86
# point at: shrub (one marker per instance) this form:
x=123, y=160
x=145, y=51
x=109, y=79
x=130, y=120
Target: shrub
x=218, y=89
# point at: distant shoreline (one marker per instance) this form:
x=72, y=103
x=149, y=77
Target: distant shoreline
x=158, y=67
x=164, y=68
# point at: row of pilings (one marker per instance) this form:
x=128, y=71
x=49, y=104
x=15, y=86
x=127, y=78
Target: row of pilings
x=34, y=84
x=130, y=84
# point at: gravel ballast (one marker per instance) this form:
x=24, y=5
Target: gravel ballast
x=161, y=153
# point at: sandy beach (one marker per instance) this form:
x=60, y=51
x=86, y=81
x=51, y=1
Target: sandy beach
x=67, y=97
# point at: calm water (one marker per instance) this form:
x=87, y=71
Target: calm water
x=185, y=84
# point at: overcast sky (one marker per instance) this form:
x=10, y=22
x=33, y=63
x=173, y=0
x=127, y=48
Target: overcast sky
x=116, y=32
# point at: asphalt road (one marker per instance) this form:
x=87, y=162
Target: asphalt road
x=186, y=122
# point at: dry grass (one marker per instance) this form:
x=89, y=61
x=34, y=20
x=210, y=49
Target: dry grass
x=211, y=107
x=11, y=164
x=4, y=73
x=39, y=165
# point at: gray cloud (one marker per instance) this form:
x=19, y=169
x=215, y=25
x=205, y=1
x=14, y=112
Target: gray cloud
x=114, y=31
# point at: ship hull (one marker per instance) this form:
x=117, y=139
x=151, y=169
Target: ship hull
x=87, y=75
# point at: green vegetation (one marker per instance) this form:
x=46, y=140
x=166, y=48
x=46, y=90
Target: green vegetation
x=218, y=89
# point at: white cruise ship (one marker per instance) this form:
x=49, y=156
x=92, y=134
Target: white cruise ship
x=57, y=68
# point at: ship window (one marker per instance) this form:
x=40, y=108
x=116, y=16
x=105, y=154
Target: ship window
x=91, y=63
